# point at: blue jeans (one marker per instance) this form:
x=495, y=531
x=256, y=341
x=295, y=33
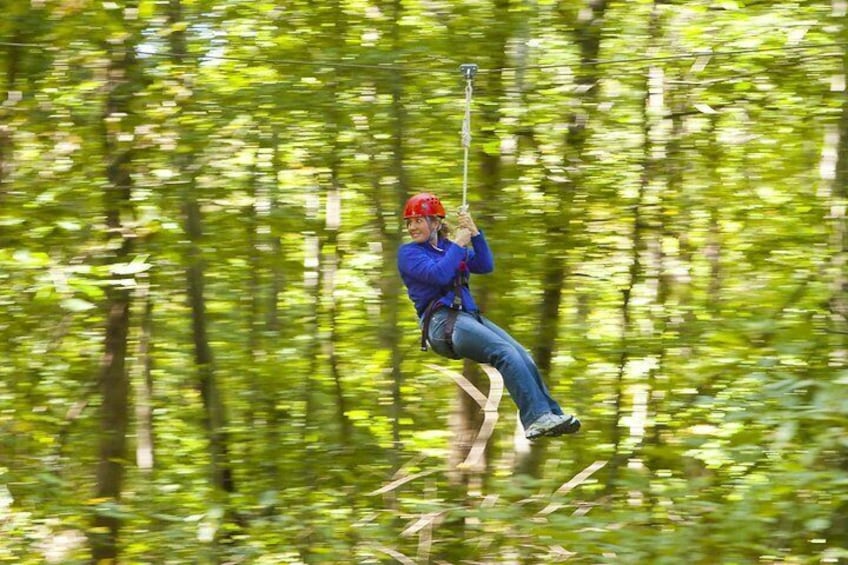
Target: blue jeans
x=484, y=342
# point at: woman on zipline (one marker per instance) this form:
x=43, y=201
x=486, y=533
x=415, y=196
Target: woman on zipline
x=435, y=270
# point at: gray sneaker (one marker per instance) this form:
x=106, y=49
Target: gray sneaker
x=567, y=425
x=551, y=425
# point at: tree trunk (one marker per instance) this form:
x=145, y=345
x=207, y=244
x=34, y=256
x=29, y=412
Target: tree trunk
x=391, y=240
x=113, y=378
x=838, y=302
x=311, y=422
x=144, y=384
x=255, y=353
x=839, y=233
x=329, y=269
x=714, y=241
x=278, y=417
x=214, y=413
x=332, y=224
x=586, y=26
x=647, y=216
x=12, y=59
x=466, y=416
x=266, y=280
x=113, y=428
x=389, y=283
x=668, y=184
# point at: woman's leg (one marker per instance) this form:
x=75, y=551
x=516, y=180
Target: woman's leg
x=436, y=336
x=486, y=343
x=528, y=361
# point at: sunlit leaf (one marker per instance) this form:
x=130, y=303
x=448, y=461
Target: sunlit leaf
x=77, y=305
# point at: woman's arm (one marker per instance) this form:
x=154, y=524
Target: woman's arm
x=415, y=263
x=482, y=261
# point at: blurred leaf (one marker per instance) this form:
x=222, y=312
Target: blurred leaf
x=77, y=305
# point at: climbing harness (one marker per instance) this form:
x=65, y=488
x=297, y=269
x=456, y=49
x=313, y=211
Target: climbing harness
x=461, y=280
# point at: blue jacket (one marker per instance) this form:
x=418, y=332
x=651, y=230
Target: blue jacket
x=429, y=273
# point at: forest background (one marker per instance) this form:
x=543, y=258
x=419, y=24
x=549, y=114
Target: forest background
x=208, y=356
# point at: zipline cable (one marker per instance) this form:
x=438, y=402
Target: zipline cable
x=407, y=69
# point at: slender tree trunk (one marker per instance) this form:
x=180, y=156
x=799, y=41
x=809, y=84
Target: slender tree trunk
x=668, y=285
x=838, y=302
x=214, y=413
x=265, y=282
x=391, y=286
x=646, y=217
x=388, y=281
x=113, y=427
x=635, y=273
x=332, y=224
x=213, y=405
x=12, y=60
x=586, y=23
x=311, y=422
x=839, y=220
x=144, y=383
x=276, y=417
x=329, y=270
x=113, y=378
x=714, y=242
x=668, y=184
x=253, y=374
x=278, y=276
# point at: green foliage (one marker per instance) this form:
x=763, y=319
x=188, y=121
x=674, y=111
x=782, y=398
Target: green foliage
x=717, y=402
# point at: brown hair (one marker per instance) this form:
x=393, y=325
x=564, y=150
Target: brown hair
x=444, y=229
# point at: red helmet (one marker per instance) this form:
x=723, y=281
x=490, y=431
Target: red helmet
x=424, y=204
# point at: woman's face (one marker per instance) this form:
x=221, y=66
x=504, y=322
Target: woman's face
x=420, y=228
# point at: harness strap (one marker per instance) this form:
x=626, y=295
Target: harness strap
x=450, y=323
x=425, y=322
x=453, y=313
x=461, y=280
